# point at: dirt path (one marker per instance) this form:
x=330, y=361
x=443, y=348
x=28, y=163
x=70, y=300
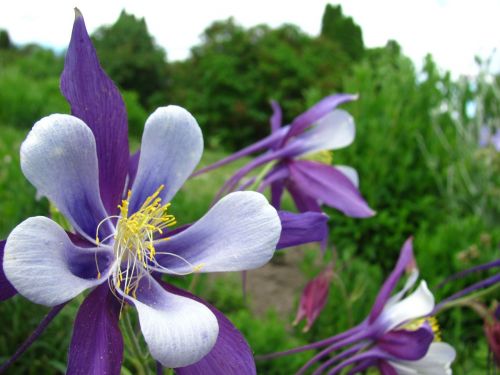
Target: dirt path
x=277, y=285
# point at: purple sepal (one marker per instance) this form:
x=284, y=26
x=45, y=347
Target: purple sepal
x=231, y=354
x=94, y=98
x=386, y=369
x=298, y=229
x=277, y=117
x=6, y=289
x=405, y=258
x=97, y=344
x=405, y=344
x=461, y=274
x=316, y=112
x=362, y=366
x=329, y=185
x=302, y=200
x=231, y=184
x=471, y=288
x=277, y=189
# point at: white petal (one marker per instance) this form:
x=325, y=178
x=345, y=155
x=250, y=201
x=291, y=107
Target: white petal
x=59, y=158
x=335, y=130
x=350, y=173
x=171, y=148
x=40, y=261
x=410, y=281
x=239, y=233
x=437, y=361
x=418, y=304
x=179, y=331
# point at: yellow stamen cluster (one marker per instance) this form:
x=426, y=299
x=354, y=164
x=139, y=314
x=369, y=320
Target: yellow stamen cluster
x=431, y=320
x=135, y=236
x=136, y=233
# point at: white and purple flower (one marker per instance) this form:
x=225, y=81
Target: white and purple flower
x=123, y=241
x=398, y=337
x=295, y=156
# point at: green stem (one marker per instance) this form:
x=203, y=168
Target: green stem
x=262, y=174
x=194, y=282
x=140, y=359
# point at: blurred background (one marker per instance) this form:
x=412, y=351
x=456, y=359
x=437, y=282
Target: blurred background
x=427, y=147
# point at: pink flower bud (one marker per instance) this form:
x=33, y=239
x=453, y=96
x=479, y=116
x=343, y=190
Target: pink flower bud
x=492, y=331
x=314, y=298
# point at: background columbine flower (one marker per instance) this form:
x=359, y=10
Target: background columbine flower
x=297, y=159
x=397, y=336
x=122, y=242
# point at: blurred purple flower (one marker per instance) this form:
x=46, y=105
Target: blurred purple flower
x=486, y=138
x=81, y=163
x=314, y=298
x=297, y=159
x=495, y=140
x=398, y=336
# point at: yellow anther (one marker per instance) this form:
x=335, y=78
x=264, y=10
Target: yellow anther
x=198, y=267
x=98, y=275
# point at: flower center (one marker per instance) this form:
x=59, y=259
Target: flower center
x=134, y=240
x=323, y=157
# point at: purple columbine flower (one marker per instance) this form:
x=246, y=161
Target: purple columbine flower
x=297, y=159
x=122, y=240
x=398, y=336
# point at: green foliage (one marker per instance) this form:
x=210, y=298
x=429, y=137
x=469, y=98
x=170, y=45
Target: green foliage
x=343, y=30
x=24, y=101
x=136, y=114
x=233, y=73
x=130, y=56
x=29, y=85
x=397, y=118
x=16, y=193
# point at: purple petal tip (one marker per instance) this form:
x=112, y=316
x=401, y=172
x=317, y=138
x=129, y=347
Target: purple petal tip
x=78, y=14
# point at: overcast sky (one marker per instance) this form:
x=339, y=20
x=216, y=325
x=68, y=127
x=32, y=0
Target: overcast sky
x=454, y=31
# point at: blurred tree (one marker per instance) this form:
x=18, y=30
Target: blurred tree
x=130, y=56
x=343, y=30
x=234, y=72
x=5, y=42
